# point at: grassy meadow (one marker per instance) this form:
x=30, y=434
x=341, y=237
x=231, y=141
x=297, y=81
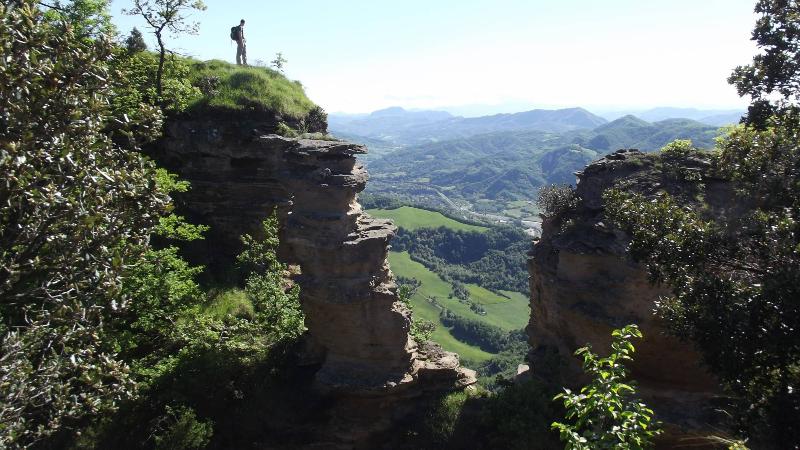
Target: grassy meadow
x=413, y=218
x=509, y=313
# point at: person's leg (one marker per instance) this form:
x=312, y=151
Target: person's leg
x=239, y=48
x=244, y=54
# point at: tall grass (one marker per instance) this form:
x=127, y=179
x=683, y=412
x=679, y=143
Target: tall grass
x=230, y=302
x=258, y=88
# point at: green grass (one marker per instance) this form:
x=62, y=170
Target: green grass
x=516, y=213
x=521, y=209
x=508, y=313
x=518, y=204
x=248, y=87
x=413, y=218
x=233, y=302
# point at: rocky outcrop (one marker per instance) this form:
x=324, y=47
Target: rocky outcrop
x=239, y=174
x=584, y=284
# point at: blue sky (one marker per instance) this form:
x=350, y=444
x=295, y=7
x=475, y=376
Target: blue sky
x=358, y=55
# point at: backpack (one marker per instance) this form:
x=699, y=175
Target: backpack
x=235, y=33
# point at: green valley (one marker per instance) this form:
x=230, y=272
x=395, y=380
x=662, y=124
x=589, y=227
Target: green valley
x=446, y=261
x=509, y=313
x=412, y=218
x=493, y=177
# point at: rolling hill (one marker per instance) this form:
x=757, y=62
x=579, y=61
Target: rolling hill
x=633, y=132
x=401, y=127
x=384, y=124
x=512, y=165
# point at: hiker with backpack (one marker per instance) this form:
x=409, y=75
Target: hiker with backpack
x=237, y=34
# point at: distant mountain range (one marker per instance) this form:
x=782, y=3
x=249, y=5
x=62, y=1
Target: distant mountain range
x=717, y=117
x=399, y=127
x=512, y=165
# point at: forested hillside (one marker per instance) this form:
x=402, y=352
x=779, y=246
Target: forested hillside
x=490, y=173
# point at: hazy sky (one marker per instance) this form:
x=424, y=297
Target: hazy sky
x=359, y=55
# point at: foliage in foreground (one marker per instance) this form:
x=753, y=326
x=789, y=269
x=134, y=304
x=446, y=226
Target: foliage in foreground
x=180, y=341
x=735, y=277
x=514, y=418
x=77, y=210
x=735, y=280
x=93, y=316
x=605, y=415
x=772, y=79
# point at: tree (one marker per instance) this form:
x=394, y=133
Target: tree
x=166, y=15
x=135, y=42
x=735, y=277
x=87, y=18
x=316, y=121
x=76, y=210
x=279, y=62
x=421, y=329
x=775, y=71
x=605, y=413
x=278, y=315
x=555, y=200
x=735, y=286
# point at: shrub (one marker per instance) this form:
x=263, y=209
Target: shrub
x=421, y=329
x=674, y=156
x=556, y=200
x=178, y=346
x=286, y=131
x=208, y=85
x=137, y=74
x=678, y=149
x=444, y=416
x=518, y=417
x=605, y=414
x=316, y=121
x=278, y=314
x=734, y=280
x=179, y=429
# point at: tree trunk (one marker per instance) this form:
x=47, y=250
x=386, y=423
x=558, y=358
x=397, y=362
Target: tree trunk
x=160, y=70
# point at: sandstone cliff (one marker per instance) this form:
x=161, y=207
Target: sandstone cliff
x=240, y=173
x=584, y=284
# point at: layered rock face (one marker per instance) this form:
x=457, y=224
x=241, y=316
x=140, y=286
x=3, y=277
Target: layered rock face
x=584, y=284
x=239, y=175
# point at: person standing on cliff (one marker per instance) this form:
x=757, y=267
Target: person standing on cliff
x=241, y=47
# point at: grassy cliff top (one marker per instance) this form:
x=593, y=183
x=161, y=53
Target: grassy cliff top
x=242, y=88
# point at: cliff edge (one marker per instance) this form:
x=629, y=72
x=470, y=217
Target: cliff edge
x=240, y=172
x=584, y=284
